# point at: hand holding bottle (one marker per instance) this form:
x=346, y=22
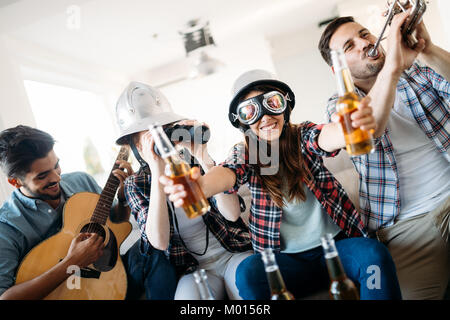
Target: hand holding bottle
x=357, y=140
x=177, y=192
x=177, y=170
x=362, y=118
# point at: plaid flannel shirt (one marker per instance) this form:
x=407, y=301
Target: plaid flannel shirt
x=427, y=94
x=233, y=236
x=265, y=215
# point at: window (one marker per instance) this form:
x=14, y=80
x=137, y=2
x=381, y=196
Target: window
x=84, y=129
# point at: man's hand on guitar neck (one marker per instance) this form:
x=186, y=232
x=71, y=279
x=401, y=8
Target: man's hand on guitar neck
x=121, y=211
x=122, y=173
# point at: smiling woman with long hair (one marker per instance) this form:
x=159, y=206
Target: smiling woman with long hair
x=295, y=199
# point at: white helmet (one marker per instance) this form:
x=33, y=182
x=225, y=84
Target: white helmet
x=139, y=106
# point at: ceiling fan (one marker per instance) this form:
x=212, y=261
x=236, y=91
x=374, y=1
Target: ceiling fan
x=199, y=44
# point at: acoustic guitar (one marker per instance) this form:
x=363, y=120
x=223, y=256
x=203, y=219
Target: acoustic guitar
x=106, y=278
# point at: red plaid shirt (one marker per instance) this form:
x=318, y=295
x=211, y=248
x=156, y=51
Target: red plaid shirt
x=265, y=215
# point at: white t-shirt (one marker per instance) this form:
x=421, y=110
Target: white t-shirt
x=424, y=174
x=303, y=223
x=193, y=233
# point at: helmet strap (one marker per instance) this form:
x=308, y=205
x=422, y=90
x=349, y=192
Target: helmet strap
x=144, y=165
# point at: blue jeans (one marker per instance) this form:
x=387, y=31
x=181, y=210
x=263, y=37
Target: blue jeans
x=305, y=273
x=149, y=271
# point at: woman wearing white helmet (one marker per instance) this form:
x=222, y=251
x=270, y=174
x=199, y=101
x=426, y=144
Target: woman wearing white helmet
x=295, y=199
x=210, y=242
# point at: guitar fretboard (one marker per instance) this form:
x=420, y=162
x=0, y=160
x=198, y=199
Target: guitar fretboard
x=102, y=210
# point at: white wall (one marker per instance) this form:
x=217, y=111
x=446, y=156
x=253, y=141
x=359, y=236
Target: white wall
x=298, y=62
x=15, y=108
x=443, y=8
x=14, y=105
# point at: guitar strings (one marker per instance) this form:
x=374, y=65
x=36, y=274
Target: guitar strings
x=123, y=155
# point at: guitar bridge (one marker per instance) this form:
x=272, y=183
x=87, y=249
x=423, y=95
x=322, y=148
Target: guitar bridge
x=89, y=273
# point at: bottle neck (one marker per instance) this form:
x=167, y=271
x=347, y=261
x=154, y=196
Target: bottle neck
x=273, y=273
x=162, y=142
x=344, y=80
x=206, y=291
x=334, y=265
x=335, y=268
x=175, y=166
x=276, y=281
x=202, y=283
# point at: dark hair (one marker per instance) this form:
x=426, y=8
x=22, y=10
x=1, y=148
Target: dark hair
x=324, y=43
x=293, y=170
x=20, y=147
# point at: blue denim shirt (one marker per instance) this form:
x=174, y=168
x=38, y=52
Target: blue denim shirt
x=25, y=222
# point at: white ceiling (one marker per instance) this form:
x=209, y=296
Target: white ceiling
x=4, y=3
x=129, y=35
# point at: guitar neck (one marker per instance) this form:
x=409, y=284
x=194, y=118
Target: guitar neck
x=101, y=212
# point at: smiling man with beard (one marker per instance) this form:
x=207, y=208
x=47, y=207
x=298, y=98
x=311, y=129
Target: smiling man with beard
x=33, y=186
x=405, y=182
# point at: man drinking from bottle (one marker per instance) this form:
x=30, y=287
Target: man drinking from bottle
x=405, y=182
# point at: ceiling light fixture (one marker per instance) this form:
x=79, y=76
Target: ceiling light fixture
x=198, y=42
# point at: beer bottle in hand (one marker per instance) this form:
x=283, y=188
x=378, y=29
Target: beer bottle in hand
x=341, y=287
x=202, y=284
x=195, y=204
x=357, y=141
x=278, y=289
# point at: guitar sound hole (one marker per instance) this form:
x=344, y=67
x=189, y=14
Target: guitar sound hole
x=94, y=228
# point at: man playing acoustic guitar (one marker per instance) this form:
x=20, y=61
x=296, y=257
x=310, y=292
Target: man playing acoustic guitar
x=34, y=213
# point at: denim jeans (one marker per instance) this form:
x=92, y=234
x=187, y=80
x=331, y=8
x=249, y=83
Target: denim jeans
x=305, y=273
x=149, y=271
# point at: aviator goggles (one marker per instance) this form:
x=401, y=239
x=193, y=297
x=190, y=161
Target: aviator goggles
x=252, y=110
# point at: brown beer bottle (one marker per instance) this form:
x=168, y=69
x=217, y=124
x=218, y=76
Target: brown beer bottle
x=341, y=287
x=195, y=204
x=278, y=289
x=357, y=141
